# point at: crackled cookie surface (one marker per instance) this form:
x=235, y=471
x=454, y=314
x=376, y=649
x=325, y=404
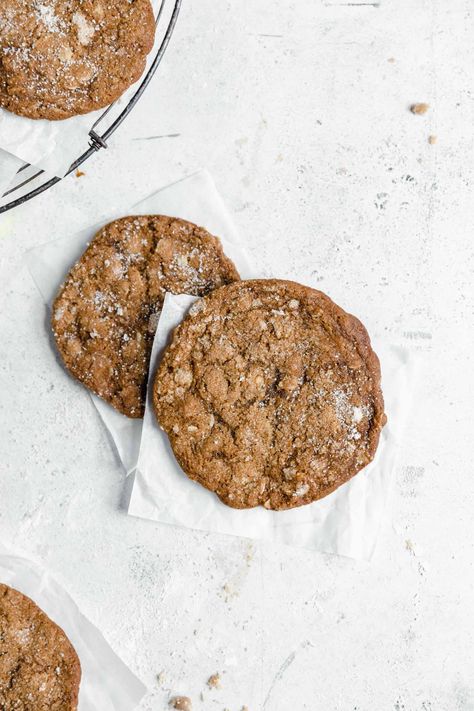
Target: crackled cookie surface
x=105, y=315
x=39, y=669
x=270, y=394
x=59, y=58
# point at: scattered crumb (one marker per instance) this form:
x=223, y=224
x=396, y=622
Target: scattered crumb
x=229, y=591
x=181, y=703
x=419, y=109
x=79, y=173
x=161, y=678
x=245, y=708
x=214, y=681
x=432, y=140
x=412, y=548
x=391, y=60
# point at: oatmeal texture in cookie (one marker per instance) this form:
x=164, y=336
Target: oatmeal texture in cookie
x=105, y=315
x=270, y=394
x=60, y=58
x=39, y=669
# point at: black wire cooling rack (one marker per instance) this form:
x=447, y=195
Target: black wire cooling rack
x=30, y=182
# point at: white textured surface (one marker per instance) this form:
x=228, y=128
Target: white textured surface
x=314, y=110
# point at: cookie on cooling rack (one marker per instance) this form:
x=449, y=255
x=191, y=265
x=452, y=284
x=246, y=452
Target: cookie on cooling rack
x=60, y=58
x=270, y=394
x=105, y=315
x=39, y=668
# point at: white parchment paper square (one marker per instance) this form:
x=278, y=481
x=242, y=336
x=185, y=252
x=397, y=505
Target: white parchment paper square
x=194, y=198
x=107, y=684
x=9, y=166
x=346, y=522
x=50, y=145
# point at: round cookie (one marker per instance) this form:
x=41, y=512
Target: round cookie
x=60, y=58
x=39, y=669
x=105, y=315
x=270, y=394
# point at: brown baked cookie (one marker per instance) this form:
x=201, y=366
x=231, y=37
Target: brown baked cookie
x=105, y=315
x=60, y=58
x=39, y=669
x=270, y=394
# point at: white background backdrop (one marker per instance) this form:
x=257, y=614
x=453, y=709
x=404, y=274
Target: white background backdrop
x=304, y=124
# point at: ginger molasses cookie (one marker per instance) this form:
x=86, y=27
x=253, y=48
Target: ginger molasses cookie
x=105, y=315
x=39, y=669
x=60, y=58
x=270, y=394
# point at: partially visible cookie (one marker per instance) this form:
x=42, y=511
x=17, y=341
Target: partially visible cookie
x=60, y=58
x=270, y=394
x=105, y=315
x=39, y=669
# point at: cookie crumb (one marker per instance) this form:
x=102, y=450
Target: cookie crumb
x=181, y=703
x=161, y=678
x=229, y=592
x=245, y=708
x=249, y=556
x=392, y=61
x=432, y=140
x=79, y=173
x=214, y=681
x=419, y=109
